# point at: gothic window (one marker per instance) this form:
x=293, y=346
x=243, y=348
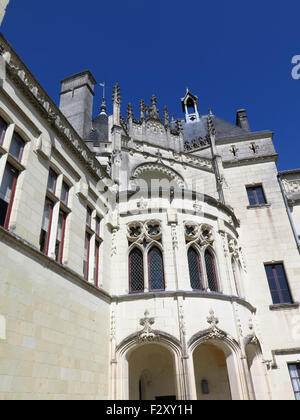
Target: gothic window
x=211, y=271
x=278, y=284
x=156, y=269
x=195, y=269
x=136, y=271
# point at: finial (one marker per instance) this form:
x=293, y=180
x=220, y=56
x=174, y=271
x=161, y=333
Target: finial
x=117, y=94
x=210, y=111
x=153, y=109
x=142, y=109
x=210, y=126
x=129, y=112
x=103, y=107
x=179, y=126
x=166, y=115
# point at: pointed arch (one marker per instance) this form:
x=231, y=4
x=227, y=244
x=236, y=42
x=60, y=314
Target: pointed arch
x=156, y=269
x=211, y=270
x=136, y=270
x=195, y=269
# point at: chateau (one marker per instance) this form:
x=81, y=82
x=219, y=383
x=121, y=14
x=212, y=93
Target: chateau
x=142, y=256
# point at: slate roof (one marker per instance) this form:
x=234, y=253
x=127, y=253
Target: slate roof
x=196, y=129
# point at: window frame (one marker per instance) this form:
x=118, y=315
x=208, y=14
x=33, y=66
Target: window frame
x=149, y=267
x=193, y=248
x=17, y=136
x=212, y=255
x=298, y=378
x=49, y=226
x=256, y=198
x=276, y=280
x=3, y=133
x=130, y=272
x=59, y=256
x=16, y=174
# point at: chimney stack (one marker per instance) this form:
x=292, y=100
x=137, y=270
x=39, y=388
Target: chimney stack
x=76, y=101
x=242, y=119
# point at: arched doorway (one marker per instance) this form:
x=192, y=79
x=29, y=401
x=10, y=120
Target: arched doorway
x=211, y=374
x=151, y=371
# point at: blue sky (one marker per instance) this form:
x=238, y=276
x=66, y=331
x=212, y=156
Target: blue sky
x=231, y=54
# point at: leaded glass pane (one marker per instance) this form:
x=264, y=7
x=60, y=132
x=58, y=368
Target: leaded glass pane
x=195, y=270
x=211, y=272
x=156, y=269
x=136, y=271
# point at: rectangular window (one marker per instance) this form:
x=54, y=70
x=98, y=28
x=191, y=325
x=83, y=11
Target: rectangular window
x=65, y=193
x=98, y=221
x=278, y=284
x=295, y=378
x=60, y=237
x=17, y=147
x=3, y=128
x=89, y=217
x=86, y=256
x=46, y=227
x=7, y=193
x=256, y=195
x=96, y=263
x=52, y=181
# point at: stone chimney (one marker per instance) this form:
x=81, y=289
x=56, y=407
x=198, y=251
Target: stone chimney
x=242, y=119
x=76, y=101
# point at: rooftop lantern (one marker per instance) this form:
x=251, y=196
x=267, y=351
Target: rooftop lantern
x=190, y=107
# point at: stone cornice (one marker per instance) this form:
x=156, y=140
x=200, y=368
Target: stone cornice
x=250, y=161
x=185, y=294
x=38, y=97
x=250, y=136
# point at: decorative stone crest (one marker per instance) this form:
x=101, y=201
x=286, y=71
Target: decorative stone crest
x=144, y=233
x=147, y=334
x=214, y=332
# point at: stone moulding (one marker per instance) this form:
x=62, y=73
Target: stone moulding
x=157, y=167
x=47, y=108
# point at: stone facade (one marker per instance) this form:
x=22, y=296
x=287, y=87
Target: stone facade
x=152, y=279
x=3, y=6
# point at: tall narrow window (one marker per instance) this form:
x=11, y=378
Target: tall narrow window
x=65, y=193
x=3, y=128
x=60, y=237
x=211, y=271
x=256, y=195
x=195, y=269
x=52, y=181
x=96, y=263
x=156, y=269
x=46, y=227
x=7, y=193
x=136, y=271
x=278, y=284
x=86, y=256
x=89, y=217
x=17, y=147
x=294, y=370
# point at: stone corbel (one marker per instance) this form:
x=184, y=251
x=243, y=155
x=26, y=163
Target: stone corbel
x=81, y=189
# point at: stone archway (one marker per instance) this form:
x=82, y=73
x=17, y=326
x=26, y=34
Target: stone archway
x=211, y=374
x=151, y=373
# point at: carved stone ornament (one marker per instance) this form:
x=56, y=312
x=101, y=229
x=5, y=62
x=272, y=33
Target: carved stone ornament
x=147, y=334
x=214, y=332
x=140, y=232
x=202, y=234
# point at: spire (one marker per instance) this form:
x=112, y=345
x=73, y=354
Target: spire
x=166, y=116
x=116, y=94
x=129, y=112
x=153, y=109
x=103, y=107
x=142, y=110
